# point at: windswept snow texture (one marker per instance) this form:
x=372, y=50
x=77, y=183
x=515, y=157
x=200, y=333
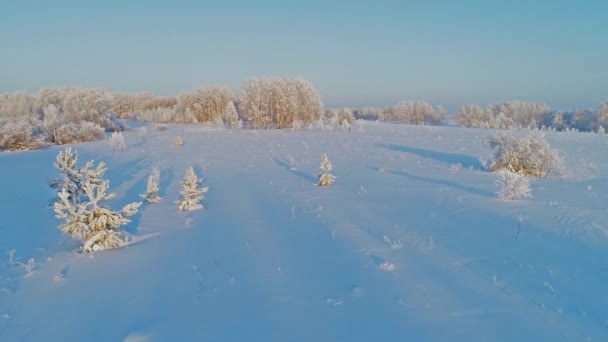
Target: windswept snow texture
x=406, y=245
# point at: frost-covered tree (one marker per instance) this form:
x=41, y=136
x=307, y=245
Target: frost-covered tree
x=204, y=105
x=325, y=178
x=191, y=193
x=151, y=194
x=94, y=224
x=512, y=185
x=231, y=116
x=503, y=115
x=117, y=141
x=278, y=102
x=72, y=178
x=531, y=155
x=143, y=133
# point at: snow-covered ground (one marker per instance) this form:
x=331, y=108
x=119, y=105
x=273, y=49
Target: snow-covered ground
x=405, y=246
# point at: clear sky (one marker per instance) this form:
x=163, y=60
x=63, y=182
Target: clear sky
x=355, y=52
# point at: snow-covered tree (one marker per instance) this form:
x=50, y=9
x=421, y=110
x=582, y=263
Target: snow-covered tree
x=531, y=155
x=231, y=116
x=512, y=185
x=94, y=224
x=151, y=194
x=117, y=141
x=72, y=177
x=204, y=105
x=191, y=193
x=325, y=178
x=143, y=133
x=278, y=102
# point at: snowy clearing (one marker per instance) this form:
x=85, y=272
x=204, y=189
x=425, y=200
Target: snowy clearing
x=409, y=243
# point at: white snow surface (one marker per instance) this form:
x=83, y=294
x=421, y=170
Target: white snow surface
x=275, y=258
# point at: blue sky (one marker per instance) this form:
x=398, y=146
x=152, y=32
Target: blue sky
x=355, y=52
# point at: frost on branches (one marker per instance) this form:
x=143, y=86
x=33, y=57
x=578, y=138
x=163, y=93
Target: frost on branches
x=151, y=194
x=94, y=224
x=117, y=141
x=325, y=178
x=72, y=177
x=512, y=185
x=191, y=193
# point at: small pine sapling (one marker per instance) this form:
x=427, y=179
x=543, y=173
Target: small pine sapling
x=151, y=194
x=325, y=178
x=72, y=177
x=191, y=193
x=94, y=224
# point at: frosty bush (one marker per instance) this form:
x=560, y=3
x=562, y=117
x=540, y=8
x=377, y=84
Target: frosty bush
x=19, y=134
x=79, y=204
x=512, y=185
x=191, y=193
x=143, y=133
x=325, y=178
x=178, y=142
x=71, y=133
x=419, y=112
x=151, y=194
x=117, y=141
x=532, y=155
x=341, y=119
x=502, y=115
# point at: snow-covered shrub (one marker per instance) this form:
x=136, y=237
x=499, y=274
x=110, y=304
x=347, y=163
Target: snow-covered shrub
x=117, y=141
x=191, y=193
x=419, y=112
x=17, y=105
x=204, y=105
x=178, y=142
x=503, y=115
x=128, y=105
x=70, y=133
x=369, y=113
x=19, y=134
x=71, y=177
x=151, y=194
x=512, y=185
x=93, y=105
x=532, y=155
x=161, y=115
x=143, y=133
x=94, y=224
x=325, y=178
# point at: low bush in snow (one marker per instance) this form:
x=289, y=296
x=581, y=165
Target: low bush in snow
x=512, y=185
x=530, y=156
x=117, y=141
